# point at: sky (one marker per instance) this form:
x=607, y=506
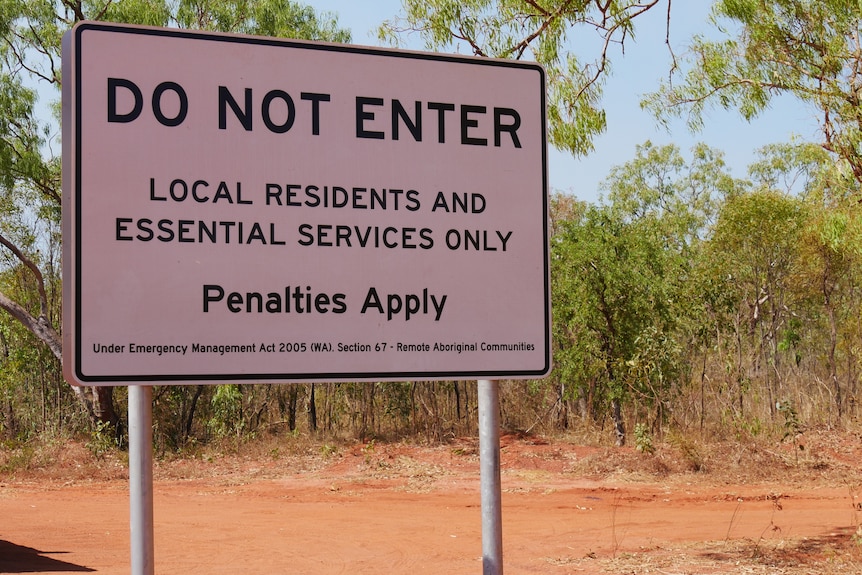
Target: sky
x=636, y=72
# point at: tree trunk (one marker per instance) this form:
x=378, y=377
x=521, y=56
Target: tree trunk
x=103, y=405
x=833, y=344
x=457, y=402
x=97, y=402
x=191, y=415
x=619, y=424
x=312, y=411
x=292, y=399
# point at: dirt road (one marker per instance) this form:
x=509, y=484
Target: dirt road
x=415, y=510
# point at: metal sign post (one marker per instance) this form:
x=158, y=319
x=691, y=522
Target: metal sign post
x=141, y=478
x=489, y=468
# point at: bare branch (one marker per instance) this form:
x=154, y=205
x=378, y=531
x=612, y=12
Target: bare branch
x=608, y=38
x=674, y=65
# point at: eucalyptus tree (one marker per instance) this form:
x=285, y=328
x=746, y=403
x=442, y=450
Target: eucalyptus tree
x=620, y=275
x=556, y=34
x=753, y=254
x=540, y=30
x=805, y=49
x=685, y=193
x=611, y=303
x=30, y=191
x=827, y=272
x=808, y=50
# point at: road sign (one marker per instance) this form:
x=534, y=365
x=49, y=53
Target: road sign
x=263, y=210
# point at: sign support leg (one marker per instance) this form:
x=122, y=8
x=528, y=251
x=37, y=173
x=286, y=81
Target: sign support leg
x=141, y=478
x=489, y=465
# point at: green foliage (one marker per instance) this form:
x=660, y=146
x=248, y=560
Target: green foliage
x=807, y=49
x=102, y=440
x=227, y=418
x=654, y=366
x=689, y=272
x=278, y=18
x=752, y=258
x=792, y=424
x=621, y=275
x=799, y=168
x=612, y=280
x=643, y=439
x=536, y=31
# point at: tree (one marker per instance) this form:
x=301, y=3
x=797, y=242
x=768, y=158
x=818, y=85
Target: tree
x=30, y=193
x=830, y=246
x=612, y=302
x=826, y=271
x=628, y=308
x=687, y=195
x=830, y=250
x=276, y=18
x=540, y=30
x=807, y=49
x=753, y=251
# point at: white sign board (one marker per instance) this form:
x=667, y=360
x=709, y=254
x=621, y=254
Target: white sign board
x=262, y=210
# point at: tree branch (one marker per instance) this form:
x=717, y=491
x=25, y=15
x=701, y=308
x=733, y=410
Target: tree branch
x=75, y=7
x=477, y=50
x=522, y=46
x=534, y=4
x=34, y=269
x=40, y=326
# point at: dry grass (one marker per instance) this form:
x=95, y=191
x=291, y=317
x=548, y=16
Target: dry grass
x=836, y=553
x=826, y=457
x=839, y=552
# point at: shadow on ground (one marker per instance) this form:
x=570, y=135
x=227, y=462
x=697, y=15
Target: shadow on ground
x=20, y=559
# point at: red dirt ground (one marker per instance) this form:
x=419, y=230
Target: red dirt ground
x=406, y=509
